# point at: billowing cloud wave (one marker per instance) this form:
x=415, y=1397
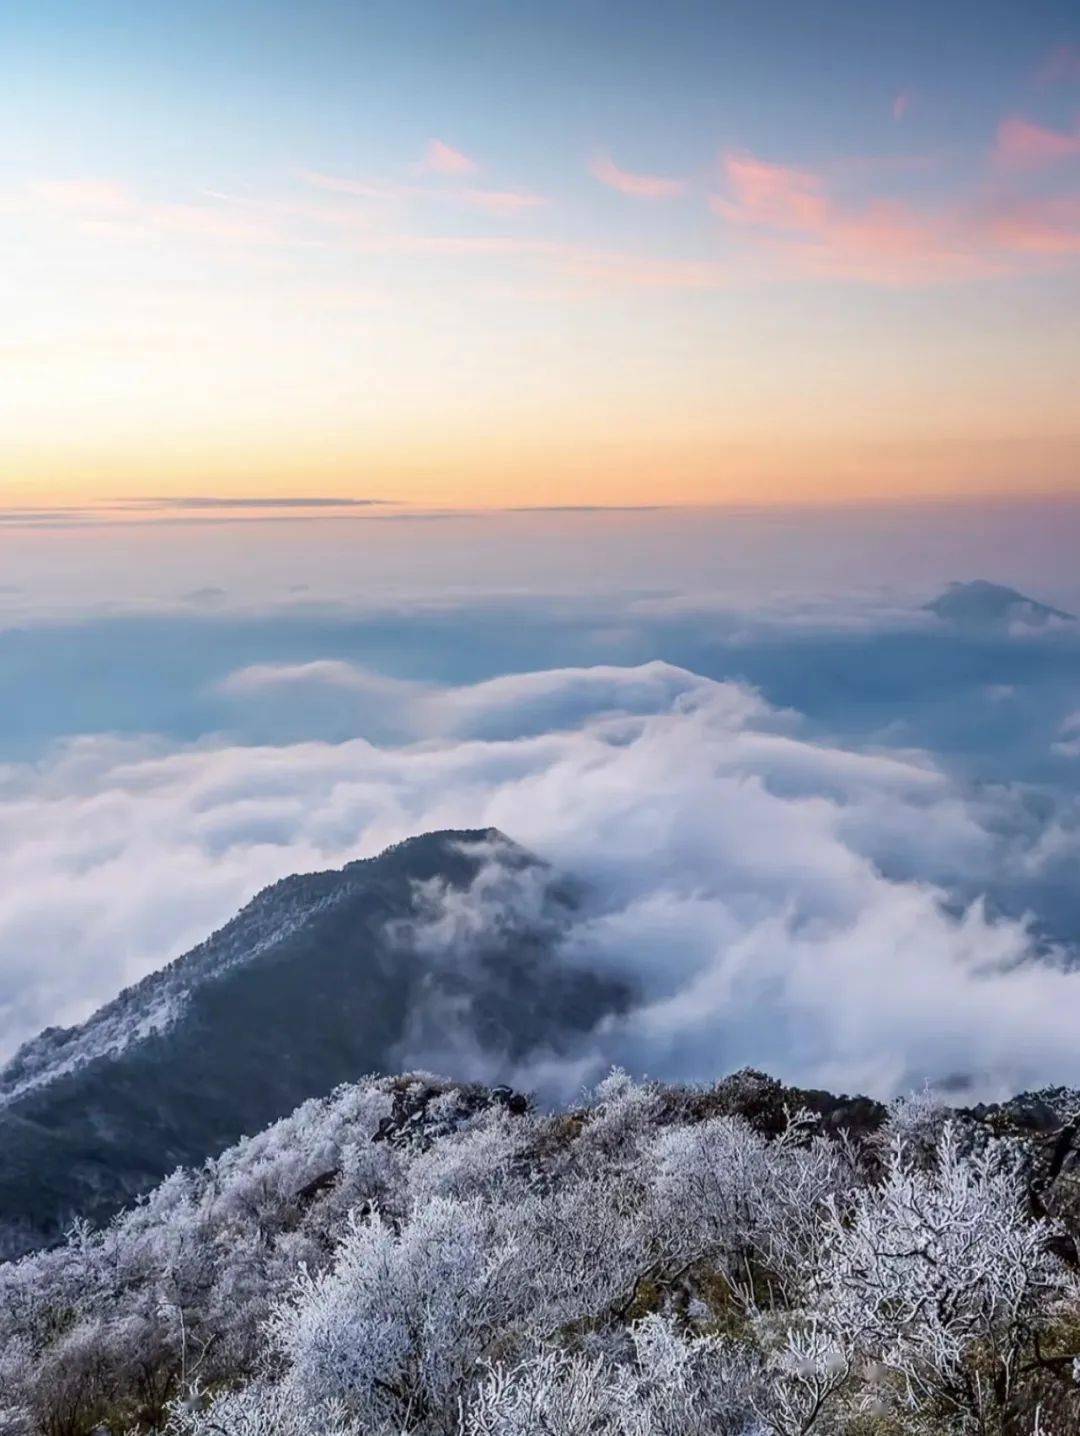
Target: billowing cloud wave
x=775, y=900
x=516, y=705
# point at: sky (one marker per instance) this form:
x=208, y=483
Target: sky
x=556, y=417
x=496, y=255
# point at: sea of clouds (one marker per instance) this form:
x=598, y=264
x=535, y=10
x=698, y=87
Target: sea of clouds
x=819, y=829
x=829, y=912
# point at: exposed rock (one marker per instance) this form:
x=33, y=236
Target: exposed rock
x=422, y=1113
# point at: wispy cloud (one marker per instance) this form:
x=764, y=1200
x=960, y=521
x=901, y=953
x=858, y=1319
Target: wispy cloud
x=502, y=201
x=196, y=509
x=784, y=221
x=580, y=269
x=357, y=188
x=110, y=208
x=443, y=159
x=1045, y=227
x=641, y=186
x=240, y=501
x=792, y=211
x=774, y=195
x=797, y=220
x=1023, y=144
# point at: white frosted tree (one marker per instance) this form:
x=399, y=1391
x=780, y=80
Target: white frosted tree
x=939, y=1279
x=671, y=1385
x=397, y=1326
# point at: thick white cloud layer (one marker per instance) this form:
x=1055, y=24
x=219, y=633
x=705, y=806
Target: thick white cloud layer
x=774, y=899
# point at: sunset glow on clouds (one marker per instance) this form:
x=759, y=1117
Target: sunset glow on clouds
x=604, y=168
x=1022, y=144
x=891, y=241
x=443, y=159
x=483, y=274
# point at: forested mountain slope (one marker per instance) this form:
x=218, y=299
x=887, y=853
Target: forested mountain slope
x=321, y=978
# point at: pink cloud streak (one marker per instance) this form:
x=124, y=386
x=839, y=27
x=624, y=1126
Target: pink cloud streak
x=1041, y=226
x=443, y=159
x=603, y=168
x=1021, y=144
x=773, y=195
x=794, y=218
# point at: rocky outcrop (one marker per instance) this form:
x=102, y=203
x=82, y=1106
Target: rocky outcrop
x=423, y=1113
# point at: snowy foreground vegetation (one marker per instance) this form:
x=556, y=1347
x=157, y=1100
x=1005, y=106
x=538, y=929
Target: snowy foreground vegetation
x=408, y=1256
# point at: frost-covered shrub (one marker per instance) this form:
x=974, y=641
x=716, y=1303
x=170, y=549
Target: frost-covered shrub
x=721, y=1192
x=583, y=1247
x=260, y=1409
x=407, y=1258
x=401, y=1320
x=482, y=1161
x=933, y=1269
x=916, y=1121
x=179, y=1288
x=622, y=1119
x=672, y=1385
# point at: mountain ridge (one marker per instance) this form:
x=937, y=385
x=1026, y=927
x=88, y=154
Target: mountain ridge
x=29, y=1064
x=320, y=978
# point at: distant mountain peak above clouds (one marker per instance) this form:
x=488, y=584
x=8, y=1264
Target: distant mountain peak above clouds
x=982, y=604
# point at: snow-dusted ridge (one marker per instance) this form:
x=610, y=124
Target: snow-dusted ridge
x=158, y=1000
x=320, y=977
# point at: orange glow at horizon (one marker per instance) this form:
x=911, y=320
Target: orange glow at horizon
x=504, y=475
